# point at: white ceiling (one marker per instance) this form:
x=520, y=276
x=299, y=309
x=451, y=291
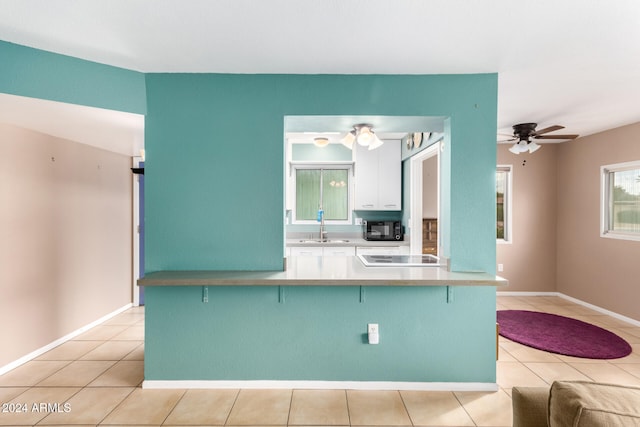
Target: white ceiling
x=571, y=62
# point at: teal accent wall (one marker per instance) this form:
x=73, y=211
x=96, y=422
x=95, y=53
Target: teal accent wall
x=215, y=160
x=214, y=176
x=444, y=222
x=319, y=333
x=39, y=74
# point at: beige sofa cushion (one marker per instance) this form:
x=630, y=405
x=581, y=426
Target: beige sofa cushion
x=586, y=404
x=530, y=406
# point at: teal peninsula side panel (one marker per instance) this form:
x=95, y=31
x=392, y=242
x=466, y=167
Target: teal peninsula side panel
x=320, y=334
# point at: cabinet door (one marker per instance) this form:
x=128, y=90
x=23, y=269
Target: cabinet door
x=389, y=176
x=306, y=251
x=366, y=175
x=339, y=251
x=378, y=177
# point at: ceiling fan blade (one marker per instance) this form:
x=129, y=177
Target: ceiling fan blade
x=556, y=136
x=549, y=129
x=508, y=139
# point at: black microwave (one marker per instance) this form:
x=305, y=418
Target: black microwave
x=382, y=230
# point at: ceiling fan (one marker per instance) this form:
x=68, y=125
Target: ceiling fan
x=525, y=133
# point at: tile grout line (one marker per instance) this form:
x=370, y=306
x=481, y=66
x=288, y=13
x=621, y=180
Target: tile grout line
x=235, y=400
x=290, y=405
x=174, y=407
x=346, y=398
x=70, y=397
x=117, y=406
x=184, y=392
x=404, y=404
x=464, y=408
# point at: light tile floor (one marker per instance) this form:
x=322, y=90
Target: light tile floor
x=98, y=374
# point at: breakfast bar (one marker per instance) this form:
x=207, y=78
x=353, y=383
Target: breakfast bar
x=306, y=326
x=325, y=271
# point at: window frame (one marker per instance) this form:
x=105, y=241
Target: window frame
x=507, y=204
x=322, y=165
x=606, y=206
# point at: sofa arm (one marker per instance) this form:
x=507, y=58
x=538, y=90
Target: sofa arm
x=584, y=403
x=530, y=406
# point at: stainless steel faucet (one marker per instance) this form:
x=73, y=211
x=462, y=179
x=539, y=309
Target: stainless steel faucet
x=323, y=232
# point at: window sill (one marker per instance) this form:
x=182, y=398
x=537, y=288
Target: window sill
x=620, y=235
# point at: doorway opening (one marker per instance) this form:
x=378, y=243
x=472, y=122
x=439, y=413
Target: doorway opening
x=425, y=201
x=138, y=232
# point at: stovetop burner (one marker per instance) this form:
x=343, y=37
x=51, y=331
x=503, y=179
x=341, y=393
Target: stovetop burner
x=399, y=260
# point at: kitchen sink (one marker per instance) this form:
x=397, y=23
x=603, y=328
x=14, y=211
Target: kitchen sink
x=324, y=241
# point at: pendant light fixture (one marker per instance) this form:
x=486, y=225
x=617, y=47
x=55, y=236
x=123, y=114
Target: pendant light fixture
x=349, y=139
x=362, y=134
x=321, y=142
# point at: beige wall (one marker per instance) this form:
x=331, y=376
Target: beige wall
x=529, y=261
x=604, y=272
x=430, y=187
x=556, y=223
x=65, y=238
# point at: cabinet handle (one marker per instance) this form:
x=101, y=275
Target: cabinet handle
x=390, y=206
x=367, y=206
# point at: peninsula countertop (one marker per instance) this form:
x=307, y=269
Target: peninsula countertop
x=324, y=271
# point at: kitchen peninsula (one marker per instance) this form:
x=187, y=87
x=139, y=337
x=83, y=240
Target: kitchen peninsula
x=215, y=200
x=307, y=326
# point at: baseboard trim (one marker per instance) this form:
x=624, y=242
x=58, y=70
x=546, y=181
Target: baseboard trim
x=527, y=294
x=24, y=359
x=602, y=310
x=613, y=314
x=320, y=385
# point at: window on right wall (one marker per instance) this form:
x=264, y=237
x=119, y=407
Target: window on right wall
x=503, y=203
x=620, y=201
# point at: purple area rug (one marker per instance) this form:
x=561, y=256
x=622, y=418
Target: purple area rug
x=561, y=335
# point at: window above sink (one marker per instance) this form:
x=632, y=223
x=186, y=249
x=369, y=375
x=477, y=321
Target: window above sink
x=325, y=186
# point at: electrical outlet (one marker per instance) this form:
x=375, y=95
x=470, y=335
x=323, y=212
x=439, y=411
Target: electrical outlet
x=358, y=221
x=373, y=333
x=500, y=267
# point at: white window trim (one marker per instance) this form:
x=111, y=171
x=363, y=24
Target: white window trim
x=321, y=165
x=509, y=205
x=605, y=211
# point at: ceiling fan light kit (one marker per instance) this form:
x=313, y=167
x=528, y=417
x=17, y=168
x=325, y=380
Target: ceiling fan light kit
x=519, y=147
x=533, y=147
x=524, y=133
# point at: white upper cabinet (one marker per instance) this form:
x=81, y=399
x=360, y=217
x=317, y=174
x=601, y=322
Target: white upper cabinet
x=378, y=180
